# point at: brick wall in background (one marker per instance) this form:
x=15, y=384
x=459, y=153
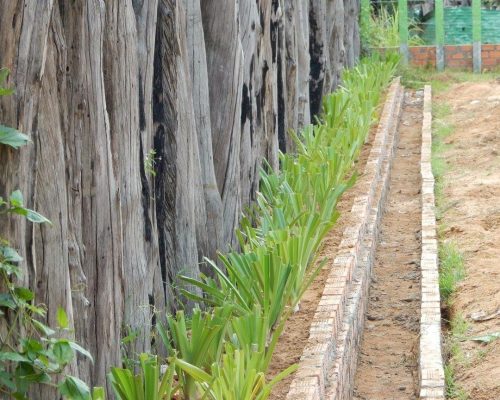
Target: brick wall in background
x=459, y=57
x=423, y=56
x=490, y=54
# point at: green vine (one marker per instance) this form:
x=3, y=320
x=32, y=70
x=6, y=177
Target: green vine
x=31, y=353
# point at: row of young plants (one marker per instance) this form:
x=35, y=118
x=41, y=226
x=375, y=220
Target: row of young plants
x=223, y=349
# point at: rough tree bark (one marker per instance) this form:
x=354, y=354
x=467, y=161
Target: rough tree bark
x=351, y=32
x=211, y=86
x=296, y=20
x=225, y=77
x=336, y=46
x=209, y=216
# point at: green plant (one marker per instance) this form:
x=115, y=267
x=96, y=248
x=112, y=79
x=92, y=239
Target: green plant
x=198, y=341
x=237, y=377
x=9, y=136
x=382, y=29
x=451, y=269
x=453, y=391
x=31, y=353
x=440, y=130
x=225, y=351
x=149, y=162
x=148, y=384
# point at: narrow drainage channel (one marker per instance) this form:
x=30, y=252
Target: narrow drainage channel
x=388, y=358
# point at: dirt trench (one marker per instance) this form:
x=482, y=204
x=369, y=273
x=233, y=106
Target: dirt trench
x=294, y=338
x=387, y=366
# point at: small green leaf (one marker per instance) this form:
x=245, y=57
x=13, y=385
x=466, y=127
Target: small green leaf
x=31, y=345
x=30, y=215
x=16, y=198
x=9, y=254
x=36, y=309
x=62, y=318
x=6, y=380
x=16, y=357
x=10, y=269
x=24, y=293
x=37, y=218
x=19, y=211
x=81, y=350
x=6, y=91
x=4, y=73
x=73, y=388
x=98, y=393
x=6, y=300
x=42, y=328
x=12, y=137
x=63, y=353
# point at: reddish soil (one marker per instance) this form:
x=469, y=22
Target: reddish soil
x=387, y=367
x=472, y=221
x=294, y=338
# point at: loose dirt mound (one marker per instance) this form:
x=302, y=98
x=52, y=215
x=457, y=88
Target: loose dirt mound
x=473, y=221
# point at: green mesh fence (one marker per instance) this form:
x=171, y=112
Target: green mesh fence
x=458, y=26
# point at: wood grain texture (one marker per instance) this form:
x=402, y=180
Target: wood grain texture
x=211, y=86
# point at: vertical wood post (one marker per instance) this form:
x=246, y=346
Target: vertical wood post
x=476, y=35
x=439, y=35
x=403, y=29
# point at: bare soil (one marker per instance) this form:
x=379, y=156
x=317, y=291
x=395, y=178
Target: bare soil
x=472, y=221
x=387, y=367
x=294, y=337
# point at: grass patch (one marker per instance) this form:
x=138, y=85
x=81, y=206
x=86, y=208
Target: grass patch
x=459, y=327
x=416, y=78
x=457, y=333
x=453, y=390
x=440, y=130
x=451, y=269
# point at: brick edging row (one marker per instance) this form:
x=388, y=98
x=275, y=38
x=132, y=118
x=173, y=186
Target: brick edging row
x=431, y=372
x=328, y=362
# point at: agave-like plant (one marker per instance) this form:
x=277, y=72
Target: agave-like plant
x=261, y=284
x=236, y=377
x=199, y=342
x=148, y=384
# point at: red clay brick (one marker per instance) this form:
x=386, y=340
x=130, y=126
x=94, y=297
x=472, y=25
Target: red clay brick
x=489, y=62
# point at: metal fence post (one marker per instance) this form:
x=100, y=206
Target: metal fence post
x=439, y=35
x=403, y=29
x=476, y=35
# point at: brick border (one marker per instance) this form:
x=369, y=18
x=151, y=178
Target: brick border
x=431, y=372
x=328, y=363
